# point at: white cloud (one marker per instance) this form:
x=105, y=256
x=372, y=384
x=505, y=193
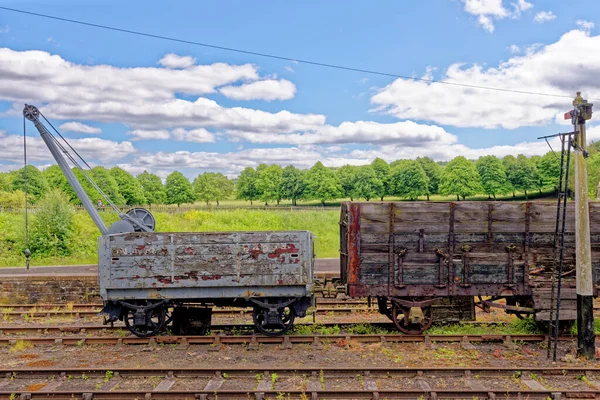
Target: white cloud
x=144, y=98
x=172, y=60
x=200, y=135
x=564, y=67
x=487, y=11
x=405, y=133
x=289, y=69
x=148, y=134
x=544, y=16
x=514, y=48
x=89, y=148
x=79, y=127
x=585, y=26
x=265, y=90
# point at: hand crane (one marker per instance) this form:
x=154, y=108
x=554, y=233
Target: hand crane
x=135, y=220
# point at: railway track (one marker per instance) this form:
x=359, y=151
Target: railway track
x=285, y=341
x=300, y=383
x=117, y=328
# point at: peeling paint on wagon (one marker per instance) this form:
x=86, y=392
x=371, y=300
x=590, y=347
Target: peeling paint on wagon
x=198, y=265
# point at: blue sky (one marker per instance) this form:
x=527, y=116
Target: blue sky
x=151, y=104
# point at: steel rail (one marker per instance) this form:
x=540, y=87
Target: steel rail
x=422, y=376
x=280, y=340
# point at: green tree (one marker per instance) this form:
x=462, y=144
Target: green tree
x=5, y=183
x=523, y=174
x=409, y=180
x=433, y=171
x=322, y=183
x=367, y=183
x=510, y=166
x=593, y=170
x=154, y=190
x=348, y=175
x=128, y=186
x=460, y=178
x=270, y=183
x=492, y=174
x=52, y=228
x=246, y=185
x=55, y=178
x=36, y=184
x=382, y=170
x=179, y=189
x=212, y=186
x=293, y=184
x=548, y=167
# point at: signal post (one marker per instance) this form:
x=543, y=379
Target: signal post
x=586, y=346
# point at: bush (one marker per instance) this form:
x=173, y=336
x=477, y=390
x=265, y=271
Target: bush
x=14, y=199
x=52, y=228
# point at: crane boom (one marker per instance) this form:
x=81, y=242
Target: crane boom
x=32, y=114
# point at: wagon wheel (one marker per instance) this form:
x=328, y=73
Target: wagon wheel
x=400, y=317
x=155, y=320
x=285, y=314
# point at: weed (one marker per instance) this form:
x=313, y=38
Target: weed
x=84, y=377
x=322, y=379
x=303, y=396
x=20, y=345
x=258, y=379
x=98, y=385
x=120, y=333
x=108, y=376
x=69, y=306
x=69, y=377
x=80, y=343
x=583, y=378
x=533, y=376
x=225, y=375
x=273, y=380
x=360, y=380
x=13, y=375
x=13, y=396
x=26, y=317
x=517, y=374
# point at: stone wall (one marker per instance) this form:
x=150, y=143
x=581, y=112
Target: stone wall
x=21, y=289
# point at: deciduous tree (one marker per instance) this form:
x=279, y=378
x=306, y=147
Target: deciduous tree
x=367, y=183
x=493, y=175
x=179, y=189
x=347, y=176
x=409, y=180
x=293, y=184
x=433, y=171
x=322, y=183
x=154, y=190
x=382, y=170
x=36, y=185
x=129, y=187
x=246, y=185
x=460, y=178
x=270, y=183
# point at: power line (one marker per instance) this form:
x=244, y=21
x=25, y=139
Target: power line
x=273, y=56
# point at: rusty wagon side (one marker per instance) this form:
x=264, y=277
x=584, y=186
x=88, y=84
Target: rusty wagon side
x=411, y=254
x=272, y=271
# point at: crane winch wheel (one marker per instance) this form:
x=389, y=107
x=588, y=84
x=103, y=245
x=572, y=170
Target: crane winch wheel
x=141, y=215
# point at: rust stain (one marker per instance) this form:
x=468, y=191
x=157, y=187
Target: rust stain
x=211, y=278
x=165, y=280
x=288, y=249
x=35, y=387
x=190, y=251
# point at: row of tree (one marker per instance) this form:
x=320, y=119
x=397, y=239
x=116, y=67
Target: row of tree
x=409, y=179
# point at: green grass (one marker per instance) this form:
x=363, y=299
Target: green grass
x=323, y=224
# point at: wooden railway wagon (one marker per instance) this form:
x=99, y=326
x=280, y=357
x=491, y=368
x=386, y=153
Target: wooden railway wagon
x=409, y=255
x=145, y=274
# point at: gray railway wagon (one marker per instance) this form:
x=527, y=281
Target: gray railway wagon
x=144, y=274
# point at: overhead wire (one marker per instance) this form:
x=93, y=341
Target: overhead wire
x=278, y=57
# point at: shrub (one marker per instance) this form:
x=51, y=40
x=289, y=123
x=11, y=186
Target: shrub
x=52, y=229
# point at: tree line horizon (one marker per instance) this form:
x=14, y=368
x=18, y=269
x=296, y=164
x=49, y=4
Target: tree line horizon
x=406, y=179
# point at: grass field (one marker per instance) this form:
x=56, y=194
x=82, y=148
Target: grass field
x=323, y=223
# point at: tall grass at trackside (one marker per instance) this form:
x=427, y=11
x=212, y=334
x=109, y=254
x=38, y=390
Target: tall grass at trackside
x=83, y=243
